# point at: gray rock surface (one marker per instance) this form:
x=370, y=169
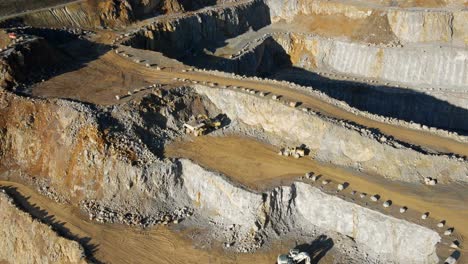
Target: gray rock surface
x=332, y=142
x=302, y=206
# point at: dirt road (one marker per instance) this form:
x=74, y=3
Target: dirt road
x=100, y=80
x=416, y=137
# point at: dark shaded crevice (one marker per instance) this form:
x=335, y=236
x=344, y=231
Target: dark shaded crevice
x=205, y=30
x=52, y=53
x=389, y=101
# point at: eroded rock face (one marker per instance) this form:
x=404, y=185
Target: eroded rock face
x=82, y=153
x=108, y=13
x=392, y=238
x=443, y=68
x=304, y=207
x=26, y=240
x=181, y=35
x=408, y=25
x=332, y=142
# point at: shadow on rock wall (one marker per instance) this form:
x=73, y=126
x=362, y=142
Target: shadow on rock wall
x=395, y=102
x=56, y=52
x=318, y=248
x=43, y=216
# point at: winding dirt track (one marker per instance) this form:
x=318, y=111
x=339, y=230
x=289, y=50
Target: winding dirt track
x=100, y=80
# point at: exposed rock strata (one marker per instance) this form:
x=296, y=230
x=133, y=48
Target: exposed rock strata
x=331, y=142
x=105, y=156
x=181, y=35
x=408, y=25
x=304, y=207
x=108, y=13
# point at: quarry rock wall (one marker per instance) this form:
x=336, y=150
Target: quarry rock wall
x=443, y=68
x=180, y=36
x=421, y=81
x=26, y=240
x=21, y=63
x=219, y=197
x=302, y=206
x=93, y=14
x=261, y=60
x=331, y=142
x=437, y=26
x=414, y=25
x=73, y=15
x=67, y=148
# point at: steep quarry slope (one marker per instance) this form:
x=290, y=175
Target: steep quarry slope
x=301, y=207
x=26, y=240
x=108, y=13
x=331, y=142
x=438, y=69
x=437, y=79
x=11, y=7
x=414, y=55
x=97, y=153
x=413, y=25
x=179, y=36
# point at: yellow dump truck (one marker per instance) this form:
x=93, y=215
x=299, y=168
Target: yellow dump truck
x=202, y=125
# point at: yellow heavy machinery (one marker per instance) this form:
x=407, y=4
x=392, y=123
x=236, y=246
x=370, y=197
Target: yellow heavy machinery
x=202, y=125
x=296, y=152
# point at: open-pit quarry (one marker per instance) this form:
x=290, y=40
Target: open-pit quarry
x=231, y=131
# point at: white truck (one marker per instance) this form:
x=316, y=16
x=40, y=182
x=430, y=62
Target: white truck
x=294, y=257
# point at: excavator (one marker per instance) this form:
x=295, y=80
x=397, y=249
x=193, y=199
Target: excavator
x=294, y=257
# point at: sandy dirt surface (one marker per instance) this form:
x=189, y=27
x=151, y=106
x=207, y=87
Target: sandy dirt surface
x=122, y=244
x=98, y=81
x=258, y=167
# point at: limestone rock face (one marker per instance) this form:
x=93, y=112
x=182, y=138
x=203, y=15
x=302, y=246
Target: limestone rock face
x=304, y=207
x=332, y=142
x=392, y=238
x=421, y=26
x=179, y=36
x=443, y=69
x=408, y=25
x=25, y=240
